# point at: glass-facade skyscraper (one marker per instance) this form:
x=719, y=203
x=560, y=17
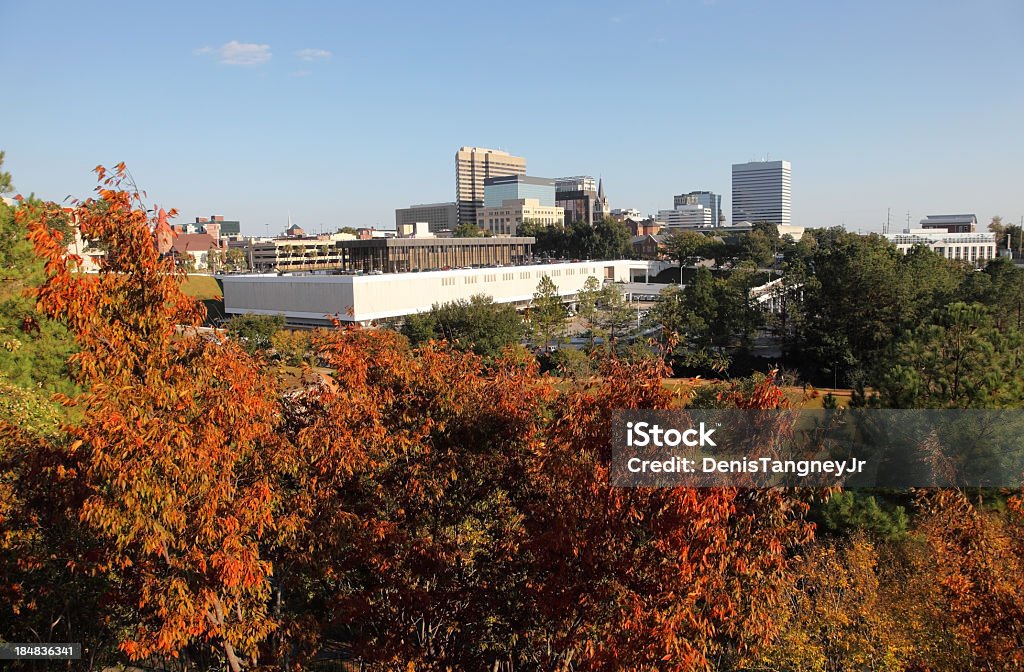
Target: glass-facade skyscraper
x=515, y=187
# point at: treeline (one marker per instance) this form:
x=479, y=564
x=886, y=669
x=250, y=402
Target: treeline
x=427, y=508
x=905, y=331
x=606, y=239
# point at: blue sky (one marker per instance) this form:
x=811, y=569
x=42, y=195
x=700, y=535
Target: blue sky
x=337, y=113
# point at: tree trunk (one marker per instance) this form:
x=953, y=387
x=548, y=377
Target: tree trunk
x=233, y=662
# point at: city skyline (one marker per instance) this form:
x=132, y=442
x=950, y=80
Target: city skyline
x=257, y=111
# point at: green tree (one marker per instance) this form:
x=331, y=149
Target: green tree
x=855, y=303
x=670, y=313
x=997, y=227
x=615, y=318
x=33, y=348
x=255, y=331
x=1000, y=287
x=552, y=241
x=236, y=258
x=612, y=240
x=478, y=324
x=469, y=230
x=850, y=511
x=547, y=313
x=958, y=359
x=5, y=178
x=587, y=304
x=758, y=247
x=684, y=246
x=700, y=308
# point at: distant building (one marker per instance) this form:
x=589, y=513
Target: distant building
x=298, y=253
x=506, y=219
x=369, y=233
x=197, y=248
x=90, y=256
x=309, y=300
x=649, y=246
x=643, y=227
x=402, y=255
x=951, y=223
x=708, y=199
x=581, y=199
x=218, y=227
x=761, y=192
x=473, y=165
x=440, y=216
x=972, y=248
x=497, y=190
x=688, y=217
x=414, y=230
x=294, y=230
x=626, y=215
x=342, y=252
x=163, y=234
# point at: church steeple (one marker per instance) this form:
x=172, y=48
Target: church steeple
x=600, y=188
x=163, y=235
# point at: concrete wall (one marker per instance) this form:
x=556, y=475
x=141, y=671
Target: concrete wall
x=310, y=299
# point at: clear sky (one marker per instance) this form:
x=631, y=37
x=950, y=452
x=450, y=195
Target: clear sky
x=337, y=113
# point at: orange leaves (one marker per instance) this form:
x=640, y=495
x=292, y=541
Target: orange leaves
x=979, y=558
x=176, y=445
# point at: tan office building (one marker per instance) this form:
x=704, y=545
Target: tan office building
x=472, y=166
x=506, y=219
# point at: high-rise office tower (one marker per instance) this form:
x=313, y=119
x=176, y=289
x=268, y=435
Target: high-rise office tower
x=473, y=165
x=761, y=192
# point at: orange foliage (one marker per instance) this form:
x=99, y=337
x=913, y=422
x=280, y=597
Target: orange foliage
x=980, y=567
x=418, y=507
x=176, y=443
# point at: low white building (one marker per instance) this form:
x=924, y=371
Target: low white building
x=313, y=300
x=688, y=217
x=975, y=248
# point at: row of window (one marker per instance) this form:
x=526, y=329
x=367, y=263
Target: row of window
x=523, y=275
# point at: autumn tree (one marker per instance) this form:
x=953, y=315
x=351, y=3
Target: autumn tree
x=979, y=556
x=175, y=447
x=860, y=604
x=614, y=558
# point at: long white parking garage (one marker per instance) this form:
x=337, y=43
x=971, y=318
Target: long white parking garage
x=316, y=299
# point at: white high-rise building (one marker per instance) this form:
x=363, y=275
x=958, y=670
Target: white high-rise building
x=761, y=192
x=688, y=217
